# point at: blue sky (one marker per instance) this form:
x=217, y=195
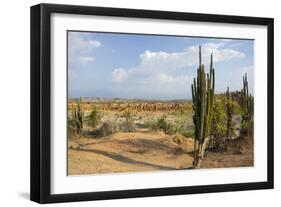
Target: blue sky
x=112, y=65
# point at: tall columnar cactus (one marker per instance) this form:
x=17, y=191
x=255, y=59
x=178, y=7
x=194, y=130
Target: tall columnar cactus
x=247, y=105
x=228, y=113
x=78, y=117
x=203, y=98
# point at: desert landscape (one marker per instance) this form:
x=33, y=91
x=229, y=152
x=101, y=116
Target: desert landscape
x=154, y=105
x=138, y=136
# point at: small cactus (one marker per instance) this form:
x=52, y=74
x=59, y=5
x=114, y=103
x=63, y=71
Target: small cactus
x=78, y=116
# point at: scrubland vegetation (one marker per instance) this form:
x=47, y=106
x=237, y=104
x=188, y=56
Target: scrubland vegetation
x=119, y=135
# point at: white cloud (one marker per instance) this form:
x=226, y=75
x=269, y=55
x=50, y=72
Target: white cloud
x=163, y=78
x=154, y=63
x=220, y=52
x=151, y=62
x=85, y=60
x=94, y=43
x=161, y=85
x=80, y=48
x=236, y=44
x=119, y=75
x=160, y=73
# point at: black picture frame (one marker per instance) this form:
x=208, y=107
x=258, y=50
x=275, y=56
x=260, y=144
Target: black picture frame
x=41, y=102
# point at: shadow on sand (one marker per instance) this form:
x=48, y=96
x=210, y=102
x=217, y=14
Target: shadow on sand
x=124, y=159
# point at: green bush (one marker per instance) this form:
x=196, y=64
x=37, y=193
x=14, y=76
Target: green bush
x=150, y=124
x=162, y=123
x=170, y=128
x=186, y=133
x=219, y=121
x=164, y=126
x=94, y=117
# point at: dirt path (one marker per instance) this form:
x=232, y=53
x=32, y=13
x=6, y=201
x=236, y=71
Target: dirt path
x=128, y=152
x=147, y=151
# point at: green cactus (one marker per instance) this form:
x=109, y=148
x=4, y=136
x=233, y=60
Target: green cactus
x=228, y=113
x=203, y=98
x=94, y=117
x=78, y=116
x=247, y=105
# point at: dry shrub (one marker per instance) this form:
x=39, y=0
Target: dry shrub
x=107, y=128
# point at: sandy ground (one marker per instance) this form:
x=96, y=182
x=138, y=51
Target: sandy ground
x=146, y=151
x=240, y=153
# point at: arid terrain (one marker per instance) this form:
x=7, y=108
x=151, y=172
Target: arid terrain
x=112, y=148
x=159, y=110
x=128, y=152
x=139, y=152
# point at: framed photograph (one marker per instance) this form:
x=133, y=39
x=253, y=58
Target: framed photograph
x=133, y=103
